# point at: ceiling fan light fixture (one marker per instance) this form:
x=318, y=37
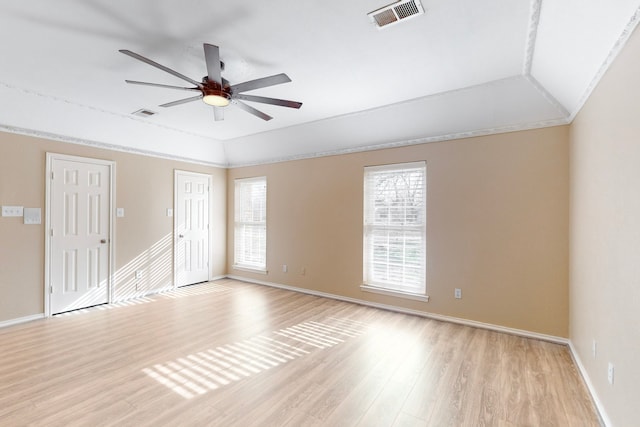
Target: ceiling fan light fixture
x=217, y=98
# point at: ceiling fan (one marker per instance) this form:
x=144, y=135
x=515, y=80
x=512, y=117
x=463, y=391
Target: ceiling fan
x=215, y=90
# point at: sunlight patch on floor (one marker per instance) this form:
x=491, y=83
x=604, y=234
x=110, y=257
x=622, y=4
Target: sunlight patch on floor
x=200, y=289
x=208, y=370
x=203, y=289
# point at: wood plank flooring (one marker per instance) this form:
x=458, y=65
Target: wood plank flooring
x=228, y=353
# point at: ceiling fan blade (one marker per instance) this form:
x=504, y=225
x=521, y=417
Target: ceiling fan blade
x=212, y=57
x=252, y=110
x=272, y=101
x=160, y=66
x=260, y=83
x=218, y=113
x=182, y=101
x=135, y=82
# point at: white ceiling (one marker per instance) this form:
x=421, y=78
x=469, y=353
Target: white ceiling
x=465, y=67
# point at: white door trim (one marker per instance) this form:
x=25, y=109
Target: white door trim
x=177, y=172
x=51, y=157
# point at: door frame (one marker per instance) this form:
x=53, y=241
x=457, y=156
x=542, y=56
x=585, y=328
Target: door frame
x=177, y=172
x=51, y=157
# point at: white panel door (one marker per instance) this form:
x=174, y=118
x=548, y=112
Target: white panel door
x=79, y=207
x=191, y=228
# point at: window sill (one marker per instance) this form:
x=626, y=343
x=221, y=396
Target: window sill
x=250, y=269
x=400, y=294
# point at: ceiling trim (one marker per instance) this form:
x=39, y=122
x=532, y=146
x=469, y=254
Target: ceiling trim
x=530, y=47
x=394, y=144
x=417, y=141
x=613, y=53
x=103, y=145
x=547, y=96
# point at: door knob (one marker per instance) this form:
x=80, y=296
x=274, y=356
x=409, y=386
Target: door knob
x=180, y=236
x=103, y=241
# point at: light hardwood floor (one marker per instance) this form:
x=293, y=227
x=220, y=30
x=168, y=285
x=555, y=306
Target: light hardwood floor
x=229, y=353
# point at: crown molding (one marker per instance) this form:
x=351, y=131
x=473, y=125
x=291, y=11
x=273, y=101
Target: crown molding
x=103, y=145
x=547, y=96
x=404, y=143
x=530, y=47
x=613, y=53
x=393, y=144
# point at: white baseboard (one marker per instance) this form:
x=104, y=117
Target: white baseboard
x=19, y=320
x=604, y=418
x=457, y=320
x=490, y=326
x=466, y=322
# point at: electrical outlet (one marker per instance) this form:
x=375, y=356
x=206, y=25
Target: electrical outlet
x=285, y=268
x=610, y=373
x=138, y=274
x=303, y=271
x=458, y=293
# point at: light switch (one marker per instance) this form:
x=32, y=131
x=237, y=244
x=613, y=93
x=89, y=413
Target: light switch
x=120, y=212
x=169, y=212
x=32, y=216
x=12, y=210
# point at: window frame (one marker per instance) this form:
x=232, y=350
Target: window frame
x=403, y=231
x=238, y=223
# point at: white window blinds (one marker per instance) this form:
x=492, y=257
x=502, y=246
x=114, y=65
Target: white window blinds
x=395, y=227
x=250, y=235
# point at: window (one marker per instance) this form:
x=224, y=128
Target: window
x=395, y=229
x=250, y=236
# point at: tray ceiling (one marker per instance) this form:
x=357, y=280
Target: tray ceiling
x=463, y=68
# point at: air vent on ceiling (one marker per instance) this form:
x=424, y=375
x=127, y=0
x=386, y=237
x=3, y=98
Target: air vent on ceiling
x=396, y=12
x=144, y=113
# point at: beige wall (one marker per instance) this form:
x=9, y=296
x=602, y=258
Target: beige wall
x=144, y=188
x=605, y=236
x=497, y=226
